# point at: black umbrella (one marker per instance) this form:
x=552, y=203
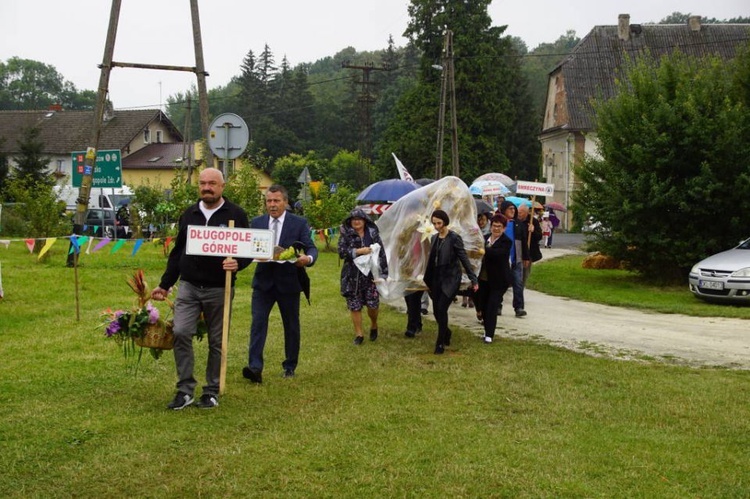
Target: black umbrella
x=424, y=181
x=483, y=206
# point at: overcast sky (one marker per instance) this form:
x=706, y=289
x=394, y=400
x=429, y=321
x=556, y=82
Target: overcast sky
x=70, y=34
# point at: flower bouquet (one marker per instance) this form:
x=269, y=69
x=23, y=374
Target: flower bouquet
x=140, y=326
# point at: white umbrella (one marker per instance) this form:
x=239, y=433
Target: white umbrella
x=488, y=188
x=498, y=177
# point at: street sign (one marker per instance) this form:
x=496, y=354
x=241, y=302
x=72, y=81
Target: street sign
x=534, y=188
x=229, y=241
x=228, y=136
x=107, y=172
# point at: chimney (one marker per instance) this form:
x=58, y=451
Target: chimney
x=623, y=27
x=695, y=23
x=55, y=107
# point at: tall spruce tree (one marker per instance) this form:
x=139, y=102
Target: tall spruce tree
x=496, y=125
x=31, y=163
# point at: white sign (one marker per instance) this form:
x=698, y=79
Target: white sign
x=534, y=188
x=226, y=241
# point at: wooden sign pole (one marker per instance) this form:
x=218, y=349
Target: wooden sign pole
x=225, y=326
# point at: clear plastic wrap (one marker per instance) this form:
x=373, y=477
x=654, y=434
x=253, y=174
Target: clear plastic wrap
x=406, y=230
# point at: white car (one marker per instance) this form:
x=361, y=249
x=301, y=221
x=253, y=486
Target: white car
x=723, y=277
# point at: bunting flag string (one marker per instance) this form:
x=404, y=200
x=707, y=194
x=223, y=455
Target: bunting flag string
x=94, y=244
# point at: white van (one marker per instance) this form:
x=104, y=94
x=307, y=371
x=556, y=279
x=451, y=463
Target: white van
x=100, y=197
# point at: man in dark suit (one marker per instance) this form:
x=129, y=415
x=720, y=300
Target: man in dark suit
x=278, y=282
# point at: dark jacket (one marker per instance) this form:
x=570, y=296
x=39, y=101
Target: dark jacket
x=495, y=268
x=201, y=270
x=444, y=265
x=535, y=253
x=349, y=242
x=284, y=276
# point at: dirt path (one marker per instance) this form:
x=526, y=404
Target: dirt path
x=621, y=333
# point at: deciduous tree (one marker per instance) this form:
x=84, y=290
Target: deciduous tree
x=673, y=182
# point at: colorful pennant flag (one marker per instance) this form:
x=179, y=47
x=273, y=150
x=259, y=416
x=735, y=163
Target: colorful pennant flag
x=47, y=245
x=101, y=244
x=30, y=245
x=138, y=244
x=119, y=244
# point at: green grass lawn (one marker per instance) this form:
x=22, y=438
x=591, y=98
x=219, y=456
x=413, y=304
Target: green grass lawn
x=387, y=419
x=564, y=276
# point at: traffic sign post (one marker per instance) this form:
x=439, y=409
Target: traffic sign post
x=228, y=136
x=107, y=169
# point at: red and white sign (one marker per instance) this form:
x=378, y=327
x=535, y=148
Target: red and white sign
x=375, y=209
x=229, y=241
x=534, y=188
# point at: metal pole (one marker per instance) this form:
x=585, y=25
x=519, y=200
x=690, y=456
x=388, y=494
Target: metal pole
x=441, y=114
x=454, y=120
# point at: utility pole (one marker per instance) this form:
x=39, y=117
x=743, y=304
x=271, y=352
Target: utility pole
x=106, y=67
x=447, y=85
x=366, y=100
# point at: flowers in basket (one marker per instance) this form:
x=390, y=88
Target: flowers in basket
x=139, y=326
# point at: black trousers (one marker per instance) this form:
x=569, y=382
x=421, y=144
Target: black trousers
x=414, y=311
x=440, y=304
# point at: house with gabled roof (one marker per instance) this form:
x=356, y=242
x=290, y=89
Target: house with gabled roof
x=63, y=132
x=589, y=72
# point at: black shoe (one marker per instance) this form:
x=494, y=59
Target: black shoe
x=358, y=340
x=410, y=334
x=439, y=349
x=208, y=401
x=520, y=312
x=288, y=373
x=373, y=334
x=181, y=400
x=424, y=311
x=252, y=375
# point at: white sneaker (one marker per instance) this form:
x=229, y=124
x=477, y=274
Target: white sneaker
x=488, y=339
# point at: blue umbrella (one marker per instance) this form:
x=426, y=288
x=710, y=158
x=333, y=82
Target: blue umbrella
x=518, y=201
x=386, y=191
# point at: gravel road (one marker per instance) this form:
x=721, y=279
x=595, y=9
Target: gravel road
x=619, y=332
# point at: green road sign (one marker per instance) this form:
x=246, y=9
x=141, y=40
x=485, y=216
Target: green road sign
x=107, y=172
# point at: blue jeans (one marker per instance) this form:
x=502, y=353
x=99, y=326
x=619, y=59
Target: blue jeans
x=517, y=270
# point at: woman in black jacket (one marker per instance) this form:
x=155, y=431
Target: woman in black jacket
x=494, y=277
x=443, y=274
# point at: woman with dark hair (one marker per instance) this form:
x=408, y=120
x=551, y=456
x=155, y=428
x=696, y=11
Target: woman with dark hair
x=494, y=277
x=443, y=274
x=358, y=235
